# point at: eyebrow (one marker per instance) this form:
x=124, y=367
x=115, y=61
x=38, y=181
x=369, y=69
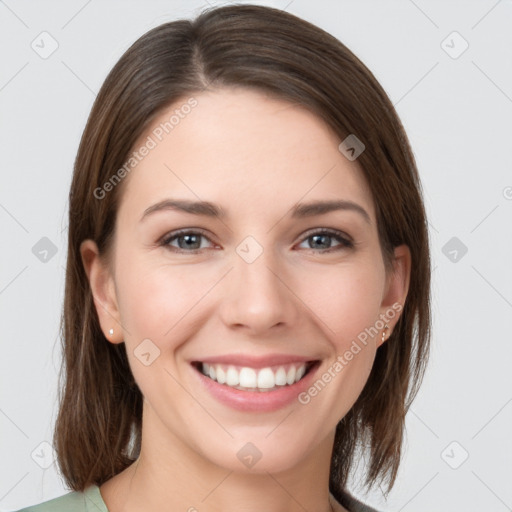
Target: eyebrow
x=299, y=211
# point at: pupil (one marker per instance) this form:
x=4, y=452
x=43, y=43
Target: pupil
x=192, y=240
x=325, y=237
x=188, y=238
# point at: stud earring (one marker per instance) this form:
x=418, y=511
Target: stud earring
x=111, y=332
x=384, y=332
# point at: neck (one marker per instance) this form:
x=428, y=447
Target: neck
x=169, y=475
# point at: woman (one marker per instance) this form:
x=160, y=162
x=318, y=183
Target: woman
x=247, y=294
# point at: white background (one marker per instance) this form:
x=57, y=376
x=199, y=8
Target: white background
x=457, y=113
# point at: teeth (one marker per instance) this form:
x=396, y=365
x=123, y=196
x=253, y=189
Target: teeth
x=281, y=377
x=251, y=379
x=221, y=375
x=248, y=378
x=290, y=376
x=266, y=379
x=232, y=377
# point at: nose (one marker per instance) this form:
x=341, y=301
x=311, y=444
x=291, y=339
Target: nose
x=258, y=296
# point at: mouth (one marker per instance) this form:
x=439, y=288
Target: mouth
x=256, y=380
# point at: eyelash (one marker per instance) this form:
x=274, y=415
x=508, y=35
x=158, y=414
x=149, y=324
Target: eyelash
x=345, y=243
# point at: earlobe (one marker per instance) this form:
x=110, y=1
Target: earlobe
x=396, y=291
x=103, y=291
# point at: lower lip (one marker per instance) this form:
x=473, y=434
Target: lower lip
x=257, y=401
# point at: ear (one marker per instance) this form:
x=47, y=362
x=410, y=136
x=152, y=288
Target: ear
x=397, y=287
x=103, y=291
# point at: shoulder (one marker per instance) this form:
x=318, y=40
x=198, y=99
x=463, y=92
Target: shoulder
x=352, y=504
x=87, y=501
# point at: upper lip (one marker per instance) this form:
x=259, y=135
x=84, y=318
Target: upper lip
x=255, y=361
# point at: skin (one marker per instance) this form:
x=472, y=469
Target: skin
x=256, y=157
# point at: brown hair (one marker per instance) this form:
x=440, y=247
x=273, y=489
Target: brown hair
x=98, y=428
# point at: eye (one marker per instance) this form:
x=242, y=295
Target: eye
x=188, y=241
x=323, y=238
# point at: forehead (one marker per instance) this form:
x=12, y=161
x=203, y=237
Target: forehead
x=245, y=150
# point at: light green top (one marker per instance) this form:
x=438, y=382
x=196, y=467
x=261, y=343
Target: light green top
x=88, y=501
x=91, y=501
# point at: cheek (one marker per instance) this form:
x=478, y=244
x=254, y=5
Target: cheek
x=346, y=300
x=158, y=300
x=159, y=307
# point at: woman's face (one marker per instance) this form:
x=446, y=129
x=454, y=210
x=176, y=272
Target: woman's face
x=246, y=281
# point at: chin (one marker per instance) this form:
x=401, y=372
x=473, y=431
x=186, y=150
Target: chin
x=259, y=453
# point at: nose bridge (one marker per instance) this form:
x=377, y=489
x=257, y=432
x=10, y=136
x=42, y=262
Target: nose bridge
x=257, y=297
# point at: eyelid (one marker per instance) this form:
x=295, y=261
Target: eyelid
x=184, y=231
x=331, y=231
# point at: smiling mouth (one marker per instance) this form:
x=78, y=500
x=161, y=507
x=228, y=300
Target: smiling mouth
x=245, y=378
